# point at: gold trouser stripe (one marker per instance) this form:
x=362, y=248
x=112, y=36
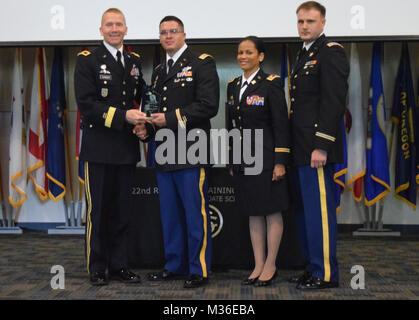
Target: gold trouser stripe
x=325, y=224
x=89, y=210
x=204, y=216
x=109, y=117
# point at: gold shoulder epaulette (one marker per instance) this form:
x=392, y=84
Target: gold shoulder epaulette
x=136, y=54
x=232, y=80
x=204, y=56
x=272, y=77
x=84, y=53
x=331, y=44
x=157, y=66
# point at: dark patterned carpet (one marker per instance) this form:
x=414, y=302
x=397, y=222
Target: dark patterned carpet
x=391, y=273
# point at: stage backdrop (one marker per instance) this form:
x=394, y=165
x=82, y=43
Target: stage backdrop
x=230, y=231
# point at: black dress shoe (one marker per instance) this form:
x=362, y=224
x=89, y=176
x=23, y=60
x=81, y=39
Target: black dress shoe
x=301, y=278
x=265, y=283
x=249, y=282
x=195, y=281
x=98, y=279
x=314, y=283
x=163, y=275
x=126, y=276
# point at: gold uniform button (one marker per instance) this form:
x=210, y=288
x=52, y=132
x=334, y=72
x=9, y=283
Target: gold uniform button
x=164, y=109
x=164, y=88
x=91, y=126
x=296, y=76
x=183, y=84
x=164, y=98
x=105, y=82
x=124, y=83
x=294, y=87
x=123, y=92
x=292, y=99
x=315, y=125
x=240, y=118
x=307, y=72
x=241, y=127
x=124, y=103
x=238, y=108
x=292, y=111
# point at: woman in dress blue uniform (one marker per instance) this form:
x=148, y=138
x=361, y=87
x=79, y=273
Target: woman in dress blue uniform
x=256, y=100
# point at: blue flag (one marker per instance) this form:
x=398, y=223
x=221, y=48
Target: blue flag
x=377, y=179
x=403, y=115
x=340, y=171
x=56, y=148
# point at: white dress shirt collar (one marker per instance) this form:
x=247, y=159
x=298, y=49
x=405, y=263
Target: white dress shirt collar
x=250, y=78
x=176, y=55
x=243, y=88
x=113, y=51
x=308, y=45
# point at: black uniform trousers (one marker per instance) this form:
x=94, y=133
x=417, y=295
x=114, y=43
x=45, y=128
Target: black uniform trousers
x=108, y=207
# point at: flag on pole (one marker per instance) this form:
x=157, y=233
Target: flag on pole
x=340, y=171
x=38, y=126
x=377, y=180
x=356, y=129
x=17, y=149
x=56, y=150
x=286, y=73
x=403, y=116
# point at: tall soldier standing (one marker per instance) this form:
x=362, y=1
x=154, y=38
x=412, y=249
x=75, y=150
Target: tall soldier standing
x=107, y=81
x=318, y=97
x=189, y=88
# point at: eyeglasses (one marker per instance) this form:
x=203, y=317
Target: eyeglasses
x=172, y=31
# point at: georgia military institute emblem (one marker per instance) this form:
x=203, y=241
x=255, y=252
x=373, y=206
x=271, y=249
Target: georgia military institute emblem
x=216, y=221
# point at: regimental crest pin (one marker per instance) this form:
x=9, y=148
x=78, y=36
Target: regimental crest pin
x=104, y=92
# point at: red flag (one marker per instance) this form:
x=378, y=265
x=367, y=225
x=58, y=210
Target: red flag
x=38, y=126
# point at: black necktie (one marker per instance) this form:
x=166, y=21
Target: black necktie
x=242, y=89
x=302, y=53
x=170, y=64
x=119, y=61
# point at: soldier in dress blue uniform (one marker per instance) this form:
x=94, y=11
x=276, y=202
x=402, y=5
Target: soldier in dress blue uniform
x=107, y=81
x=318, y=97
x=256, y=100
x=189, y=87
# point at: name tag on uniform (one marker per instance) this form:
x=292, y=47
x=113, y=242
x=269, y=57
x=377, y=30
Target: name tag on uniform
x=255, y=101
x=105, y=77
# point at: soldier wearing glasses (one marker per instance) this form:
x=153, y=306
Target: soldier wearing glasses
x=188, y=86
